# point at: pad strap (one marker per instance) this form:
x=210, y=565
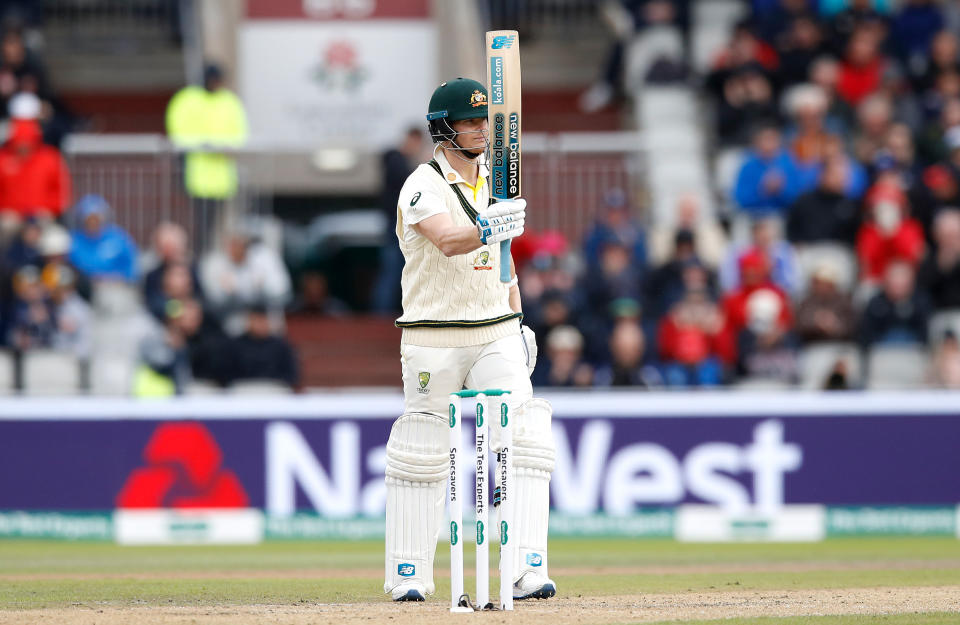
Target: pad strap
x=416, y=450
x=532, y=438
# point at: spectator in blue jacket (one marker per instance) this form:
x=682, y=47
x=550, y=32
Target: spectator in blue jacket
x=769, y=179
x=616, y=226
x=101, y=249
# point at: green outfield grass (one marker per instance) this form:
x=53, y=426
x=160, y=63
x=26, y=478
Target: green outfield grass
x=27, y=556
x=37, y=574
x=938, y=618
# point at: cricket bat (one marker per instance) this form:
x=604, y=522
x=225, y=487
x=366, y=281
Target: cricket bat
x=503, y=117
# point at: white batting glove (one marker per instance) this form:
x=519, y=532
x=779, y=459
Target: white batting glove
x=530, y=343
x=501, y=221
x=505, y=207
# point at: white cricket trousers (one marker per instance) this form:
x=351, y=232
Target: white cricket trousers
x=430, y=374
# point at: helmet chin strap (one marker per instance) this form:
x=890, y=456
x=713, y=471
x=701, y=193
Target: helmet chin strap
x=449, y=136
x=464, y=154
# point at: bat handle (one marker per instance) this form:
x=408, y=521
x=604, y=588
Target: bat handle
x=505, y=261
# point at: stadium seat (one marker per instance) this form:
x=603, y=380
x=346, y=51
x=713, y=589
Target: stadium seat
x=726, y=166
x=115, y=299
x=712, y=24
x=670, y=172
x=666, y=106
x=817, y=362
x=673, y=141
x=48, y=372
x=840, y=258
x=722, y=12
x=891, y=367
x=120, y=336
x=111, y=374
x=706, y=44
x=260, y=387
x=943, y=321
x=7, y=372
x=649, y=46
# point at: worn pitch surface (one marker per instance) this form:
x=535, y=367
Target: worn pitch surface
x=893, y=581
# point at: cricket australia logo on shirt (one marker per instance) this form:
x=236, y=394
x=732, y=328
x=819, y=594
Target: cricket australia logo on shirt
x=481, y=261
x=424, y=379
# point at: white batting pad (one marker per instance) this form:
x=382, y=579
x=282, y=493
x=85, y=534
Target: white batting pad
x=532, y=439
x=533, y=461
x=416, y=490
x=531, y=517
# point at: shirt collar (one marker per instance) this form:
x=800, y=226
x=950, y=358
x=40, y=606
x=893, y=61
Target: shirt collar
x=450, y=174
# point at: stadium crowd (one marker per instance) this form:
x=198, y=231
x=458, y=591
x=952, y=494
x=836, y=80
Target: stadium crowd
x=842, y=228
x=844, y=212
x=64, y=265
x=219, y=320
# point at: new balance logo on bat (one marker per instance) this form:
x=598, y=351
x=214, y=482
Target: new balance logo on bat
x=503, y=41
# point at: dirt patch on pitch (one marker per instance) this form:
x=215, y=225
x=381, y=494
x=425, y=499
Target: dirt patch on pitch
x=369, y=573
x=558, y=611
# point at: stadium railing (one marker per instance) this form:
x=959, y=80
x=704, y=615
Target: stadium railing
x=566, y=178
x=141, y=176
x=95, y=24
x=536, y=17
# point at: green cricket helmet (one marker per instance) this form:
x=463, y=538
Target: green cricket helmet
x=461, y=98
x=456, y=100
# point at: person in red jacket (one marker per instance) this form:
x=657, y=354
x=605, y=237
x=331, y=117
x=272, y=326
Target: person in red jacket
x=888, y=233
x=34, y=181
x=755, y=275
x=688, y=341
x=862, y=69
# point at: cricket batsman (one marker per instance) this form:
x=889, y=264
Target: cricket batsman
x=461, y=329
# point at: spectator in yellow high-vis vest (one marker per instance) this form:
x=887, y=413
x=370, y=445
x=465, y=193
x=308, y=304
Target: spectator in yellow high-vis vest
x=207, y=118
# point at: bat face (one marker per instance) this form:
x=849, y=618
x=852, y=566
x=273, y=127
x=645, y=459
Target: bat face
x=503, y=67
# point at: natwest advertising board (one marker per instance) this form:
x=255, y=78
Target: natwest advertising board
x=618, y=455
x=336, y=73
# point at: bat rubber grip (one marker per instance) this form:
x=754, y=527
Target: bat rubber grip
x=505, y=261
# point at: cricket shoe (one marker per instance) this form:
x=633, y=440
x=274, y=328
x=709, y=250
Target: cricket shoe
x=533, y=585
x=411, y=591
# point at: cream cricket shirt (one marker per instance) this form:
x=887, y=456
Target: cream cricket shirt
x=457, y=301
